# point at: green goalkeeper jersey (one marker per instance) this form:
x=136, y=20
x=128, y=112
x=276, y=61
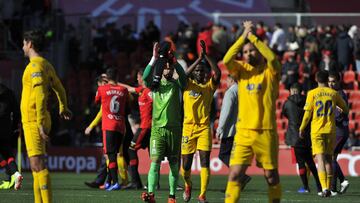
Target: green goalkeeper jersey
x=167, y=98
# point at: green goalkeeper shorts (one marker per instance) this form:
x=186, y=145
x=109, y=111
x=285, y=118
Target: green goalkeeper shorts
x=165, y=142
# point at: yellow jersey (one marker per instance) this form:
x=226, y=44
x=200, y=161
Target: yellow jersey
x=321, y=102
x=197, y=102
x=38, y=78
x=258, y=87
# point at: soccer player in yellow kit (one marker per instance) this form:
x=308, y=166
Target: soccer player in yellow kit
x=38, y=78
x=197, y=97
x=258, y=84
x=321, y=103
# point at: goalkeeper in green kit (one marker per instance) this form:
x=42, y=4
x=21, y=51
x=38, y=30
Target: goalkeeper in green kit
x=165, y=140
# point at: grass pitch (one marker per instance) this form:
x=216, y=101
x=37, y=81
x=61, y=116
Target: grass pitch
x=69, y=187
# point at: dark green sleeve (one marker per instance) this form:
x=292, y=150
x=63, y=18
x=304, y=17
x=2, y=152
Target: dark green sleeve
x=147, y=75
x=182, y=80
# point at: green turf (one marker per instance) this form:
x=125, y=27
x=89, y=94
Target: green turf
x=68, y=187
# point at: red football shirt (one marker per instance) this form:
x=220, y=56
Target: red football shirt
x=113, y=99
x=145, y=106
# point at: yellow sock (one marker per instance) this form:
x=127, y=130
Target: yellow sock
x=232, y=193
x=274, y=193
x=45, y=185
x=186, y=177
x=204, y=177
x=328, y=181
x=37, y=193
x=122, y=168
x=322, y=179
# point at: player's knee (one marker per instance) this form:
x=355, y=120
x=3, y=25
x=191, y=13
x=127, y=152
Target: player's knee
x=187, y=162
x=272, y=177
x=205, y=163
x=235, y=175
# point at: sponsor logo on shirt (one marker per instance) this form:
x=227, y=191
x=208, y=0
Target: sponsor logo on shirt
x=194, y=94
x=251, y=87
x=36, y=74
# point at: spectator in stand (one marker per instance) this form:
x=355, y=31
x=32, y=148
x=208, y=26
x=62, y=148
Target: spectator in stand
x=206, y=35
x=328, y=63
x=220, y=40
x=327, y=41
x=355, y=36
x=307, y=70
x=260, y=31
x=344, y=49
x=278, y=40
x=150, y=34
x=290, y=69
x=235, y=33
x=291, y=35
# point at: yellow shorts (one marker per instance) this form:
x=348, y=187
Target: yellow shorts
x=35, y=145
x=323, y=143
x=264, y=144
x=196, y=137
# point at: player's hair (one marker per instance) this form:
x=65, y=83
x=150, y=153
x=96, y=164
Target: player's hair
x=322, y=76
x=140, y=70
x=36, y=37
x=296, y=86
x=100, y=79
x=111, y=74
x=335, y=75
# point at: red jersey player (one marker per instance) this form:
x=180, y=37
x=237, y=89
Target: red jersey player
x=113, y=99
x=142, y=136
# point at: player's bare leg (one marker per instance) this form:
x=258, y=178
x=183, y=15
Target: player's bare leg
x=233, y=187
x=187, y=160
x=273, y=180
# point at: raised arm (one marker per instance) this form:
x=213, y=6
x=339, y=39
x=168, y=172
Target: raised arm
x=182, y=80
x=128, y=87
x=147, y=75
x=215, y=68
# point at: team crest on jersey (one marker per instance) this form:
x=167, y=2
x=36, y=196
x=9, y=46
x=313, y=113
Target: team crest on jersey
x=194, y=94
x=150, y=94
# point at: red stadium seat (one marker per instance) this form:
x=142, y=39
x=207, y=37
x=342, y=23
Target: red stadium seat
x=283, y=94
x=353, y=125
x=278, y=113
x=356, y=115
x=354, y=95
x=281, y=134
x=281, y=86
x=349, y=76
x=355, y=106
x=279, y=124
x=280, y=103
